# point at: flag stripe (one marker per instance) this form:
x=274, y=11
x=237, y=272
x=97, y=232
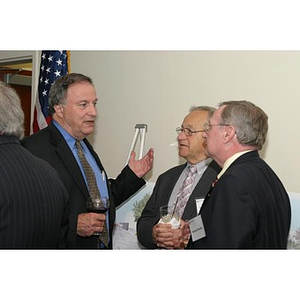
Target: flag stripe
x=54, y=64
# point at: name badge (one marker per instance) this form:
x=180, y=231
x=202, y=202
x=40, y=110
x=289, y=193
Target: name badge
x=199, y=202
x=197, y=228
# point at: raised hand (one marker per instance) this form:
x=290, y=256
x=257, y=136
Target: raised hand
x=142, y=166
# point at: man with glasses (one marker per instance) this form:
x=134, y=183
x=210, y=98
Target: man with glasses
x=248, y=207
x=191, y=146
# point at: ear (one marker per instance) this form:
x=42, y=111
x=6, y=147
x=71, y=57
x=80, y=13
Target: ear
x=229, y=133
x=59, y=110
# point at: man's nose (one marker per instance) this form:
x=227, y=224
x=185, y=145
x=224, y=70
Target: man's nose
x=92, y=109
x=181, y=136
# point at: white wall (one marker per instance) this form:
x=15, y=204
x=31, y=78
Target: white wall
x=158, y=88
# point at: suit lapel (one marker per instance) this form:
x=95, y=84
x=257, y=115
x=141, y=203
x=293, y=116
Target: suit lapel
x=67, y=158
x=94, y=154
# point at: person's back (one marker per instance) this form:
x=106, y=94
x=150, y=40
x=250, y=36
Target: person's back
x=33, y=200
x=267, y=199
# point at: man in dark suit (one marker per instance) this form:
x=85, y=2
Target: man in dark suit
x=72, y=102
x=191, y=146
x=248, y=207
x=33, y=200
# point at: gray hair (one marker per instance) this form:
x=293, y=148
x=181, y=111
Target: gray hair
x=249, y=121
x=58, y=91
x=209, y=109
x=11, y=113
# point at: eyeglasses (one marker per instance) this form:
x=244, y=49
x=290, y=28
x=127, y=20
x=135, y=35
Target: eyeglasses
x=187, y=131
x=208, y=127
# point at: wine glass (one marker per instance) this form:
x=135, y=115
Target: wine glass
x=168, y=215
x=180, y=229
x=98, y=205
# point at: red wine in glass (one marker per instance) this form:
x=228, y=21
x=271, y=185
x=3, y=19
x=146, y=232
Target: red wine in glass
x=98, y=205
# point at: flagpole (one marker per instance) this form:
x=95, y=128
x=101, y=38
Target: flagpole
x=34, y=84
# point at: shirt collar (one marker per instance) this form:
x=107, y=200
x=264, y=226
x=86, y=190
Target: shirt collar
x=202, y=165
x=69, y=139
x=230, y=160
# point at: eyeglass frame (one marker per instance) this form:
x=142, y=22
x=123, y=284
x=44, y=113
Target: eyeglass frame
x=187, y=131
x=208, y=127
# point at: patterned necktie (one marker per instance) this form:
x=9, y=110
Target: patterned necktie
x=185, y=190
x=92, y=184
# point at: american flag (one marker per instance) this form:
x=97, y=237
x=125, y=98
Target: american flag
x=54, y=64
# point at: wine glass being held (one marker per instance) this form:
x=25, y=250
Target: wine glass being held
x=99, y=206
x=88, y=223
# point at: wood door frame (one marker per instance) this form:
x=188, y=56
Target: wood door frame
x=7, y=57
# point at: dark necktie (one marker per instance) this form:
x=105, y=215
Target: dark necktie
x=93, y=188
x=185, y=190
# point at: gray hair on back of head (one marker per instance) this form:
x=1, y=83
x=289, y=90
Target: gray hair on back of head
x=11, y=112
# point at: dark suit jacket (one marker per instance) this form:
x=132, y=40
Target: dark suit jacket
x=161, y=194
x=50, y=145
x=248, y=208
x=33, y=200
